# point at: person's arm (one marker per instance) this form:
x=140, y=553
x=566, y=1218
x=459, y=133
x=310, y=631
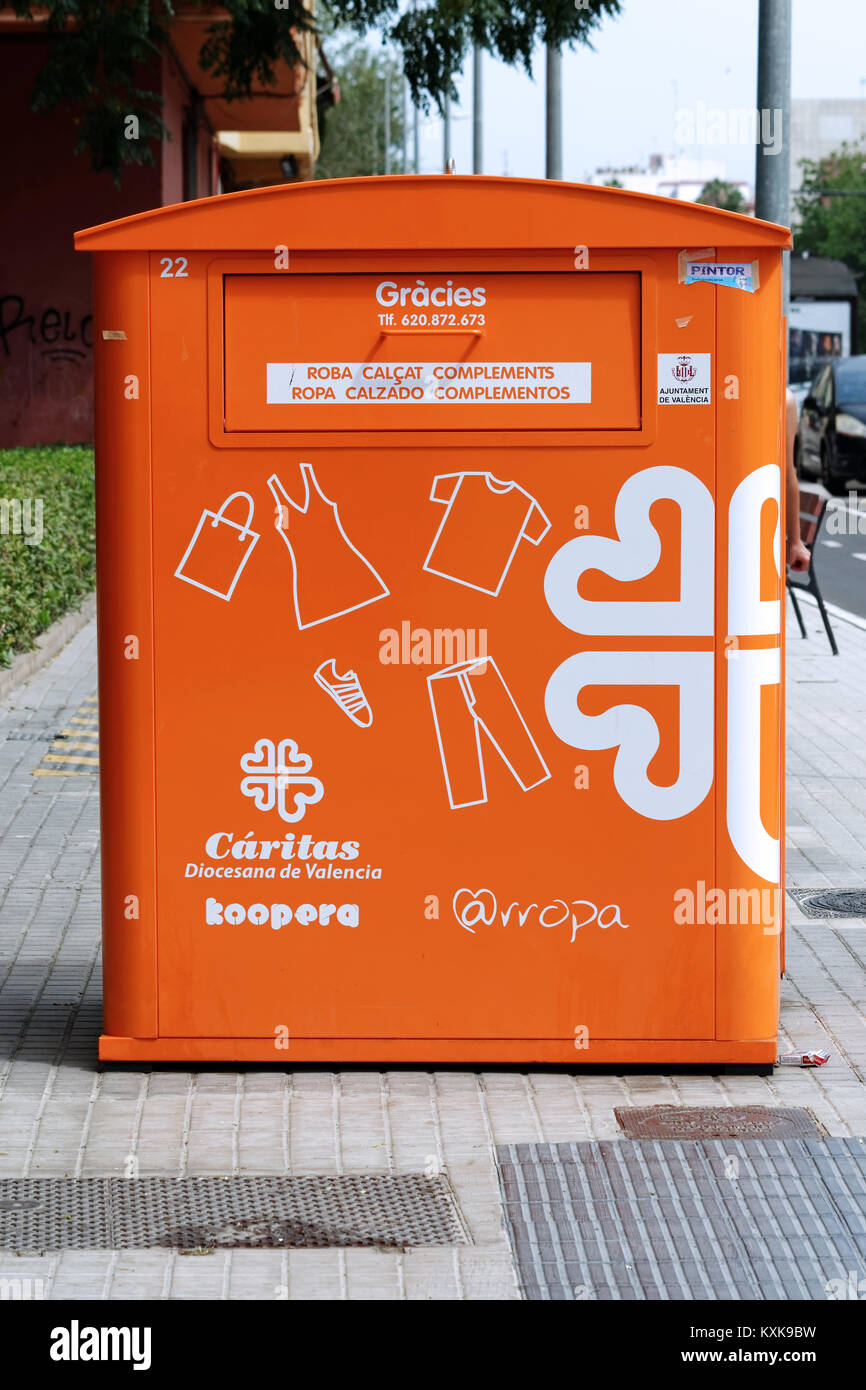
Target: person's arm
x=797, y=553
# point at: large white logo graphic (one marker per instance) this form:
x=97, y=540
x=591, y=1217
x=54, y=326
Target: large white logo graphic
x=278, y=778
x=748, y=671
x=633, y=730
x=634, y=556
x=630, y=728
x=748, y=615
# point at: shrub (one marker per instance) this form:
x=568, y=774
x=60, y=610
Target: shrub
x=40, y=582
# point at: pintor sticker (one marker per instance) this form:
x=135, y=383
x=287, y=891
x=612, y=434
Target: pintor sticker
x=737, y=275
x=685, y=378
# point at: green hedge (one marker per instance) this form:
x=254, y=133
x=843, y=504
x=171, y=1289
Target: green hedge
x=42, y=581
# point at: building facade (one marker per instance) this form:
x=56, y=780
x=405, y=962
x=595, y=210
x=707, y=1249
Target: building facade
x=820, y=128
x=46, y=329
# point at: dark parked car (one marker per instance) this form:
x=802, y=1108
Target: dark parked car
x=831, y=439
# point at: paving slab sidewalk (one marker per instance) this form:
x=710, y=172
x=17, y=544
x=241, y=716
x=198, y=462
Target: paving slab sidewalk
x=60, y=1114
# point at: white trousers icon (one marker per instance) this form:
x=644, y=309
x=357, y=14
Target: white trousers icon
x=467, y=698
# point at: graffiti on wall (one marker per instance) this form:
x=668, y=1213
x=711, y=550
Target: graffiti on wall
x=59, y=335
x=46, y=355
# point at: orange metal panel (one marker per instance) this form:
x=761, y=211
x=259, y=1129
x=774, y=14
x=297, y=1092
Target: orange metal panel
x=409, y=265
x=486, y=352
x=750, y=613
x=125, y=625
x=520, y=1051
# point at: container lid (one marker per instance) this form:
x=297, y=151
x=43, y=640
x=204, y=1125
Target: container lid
x=429, y=211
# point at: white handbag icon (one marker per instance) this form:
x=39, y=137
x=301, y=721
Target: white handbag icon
x=218, y=551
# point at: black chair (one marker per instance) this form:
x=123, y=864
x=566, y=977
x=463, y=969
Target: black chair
x=812, y=509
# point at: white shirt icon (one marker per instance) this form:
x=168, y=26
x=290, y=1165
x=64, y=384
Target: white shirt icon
x=485, y=521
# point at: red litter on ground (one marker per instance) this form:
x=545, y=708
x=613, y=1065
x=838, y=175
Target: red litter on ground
x=816, y=1058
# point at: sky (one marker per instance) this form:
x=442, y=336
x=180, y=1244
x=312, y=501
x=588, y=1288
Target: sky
x=658, y=58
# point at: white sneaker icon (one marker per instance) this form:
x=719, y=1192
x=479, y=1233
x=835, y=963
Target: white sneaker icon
x=346, y=691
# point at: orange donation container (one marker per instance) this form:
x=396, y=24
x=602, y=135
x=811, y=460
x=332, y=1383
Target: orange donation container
x=440, y=605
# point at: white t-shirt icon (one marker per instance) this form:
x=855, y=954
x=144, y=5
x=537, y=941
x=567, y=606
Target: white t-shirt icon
x=485, y=521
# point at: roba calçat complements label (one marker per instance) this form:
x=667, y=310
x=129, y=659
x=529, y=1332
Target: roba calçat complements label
x=428, y=383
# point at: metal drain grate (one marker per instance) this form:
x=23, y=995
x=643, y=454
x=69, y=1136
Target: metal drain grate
x=24, y=736
x=715, y=1122
x=829, y=902
x=706, y=1219
x=226, y=1213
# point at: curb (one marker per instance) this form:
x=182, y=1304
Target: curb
x=843, y=614
x=47, y=647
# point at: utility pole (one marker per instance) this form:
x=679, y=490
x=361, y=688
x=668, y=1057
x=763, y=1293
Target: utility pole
x=553, y=161
x=405, y=166
x=446, y=132
x=416, y=134
x=388, y=114
x=477, y=116
x=772, y=161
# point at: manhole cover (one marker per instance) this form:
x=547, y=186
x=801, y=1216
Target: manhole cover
x=720, y=1219
x=830, y=902
x=715, y=1122
x=223, y=1213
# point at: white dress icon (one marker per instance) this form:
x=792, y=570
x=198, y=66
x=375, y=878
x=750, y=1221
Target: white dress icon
x=330, y=577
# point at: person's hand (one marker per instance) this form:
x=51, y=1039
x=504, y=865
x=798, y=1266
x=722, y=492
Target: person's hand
x=798, y=555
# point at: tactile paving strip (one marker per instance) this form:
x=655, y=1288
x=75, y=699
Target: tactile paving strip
x=715, y=1122
x=391, y=1210
x=75, y=749
x=696, y=1219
